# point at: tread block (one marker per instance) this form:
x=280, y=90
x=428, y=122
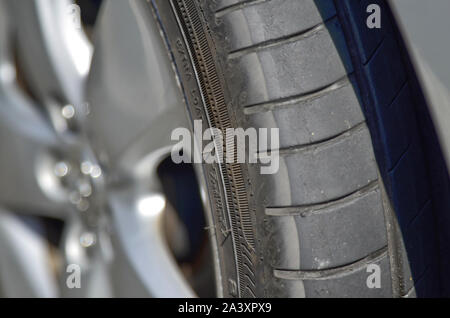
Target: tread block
x=396, y=125
x=313, y=120
x=283, y=251
x=259, y=23
x=327, y=171
x=342, y=234
x=410, y=197
x=294, y=68
x=420, y=244
x=353, y=285
x=385, y=72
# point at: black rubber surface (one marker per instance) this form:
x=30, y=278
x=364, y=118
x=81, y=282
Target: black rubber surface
x=405, y=145
x=347, y=108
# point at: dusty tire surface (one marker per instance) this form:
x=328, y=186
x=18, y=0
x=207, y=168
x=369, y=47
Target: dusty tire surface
x=354, y=187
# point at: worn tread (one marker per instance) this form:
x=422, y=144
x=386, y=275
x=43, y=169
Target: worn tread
x=349, y=142
x=332, y=273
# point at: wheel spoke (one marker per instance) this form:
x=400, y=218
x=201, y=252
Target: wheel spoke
x=139, y=229
x=134, y=105
x=89, y=252
x=19, y=244
x=134, y=97
x=25, y=136
x=25, y=173
x=55, y=53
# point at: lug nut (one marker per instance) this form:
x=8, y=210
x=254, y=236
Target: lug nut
x=68, y=112
x=88, y=239
x=86, y=168
x=96, y=172
x=83, y=205
x=85, y=189
x=75, y=198
x=61, y=169
x=89, y=169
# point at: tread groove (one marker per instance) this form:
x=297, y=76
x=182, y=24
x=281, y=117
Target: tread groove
x=321, y=144
x=308, y=210
x=372, y=55
x=237, y=6
x=419, y=213
x=278, y=41
x=332, y=273
x=400, y=159
x=297, y=99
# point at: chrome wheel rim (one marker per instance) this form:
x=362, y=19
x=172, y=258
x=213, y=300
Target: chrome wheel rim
x=98, y=178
